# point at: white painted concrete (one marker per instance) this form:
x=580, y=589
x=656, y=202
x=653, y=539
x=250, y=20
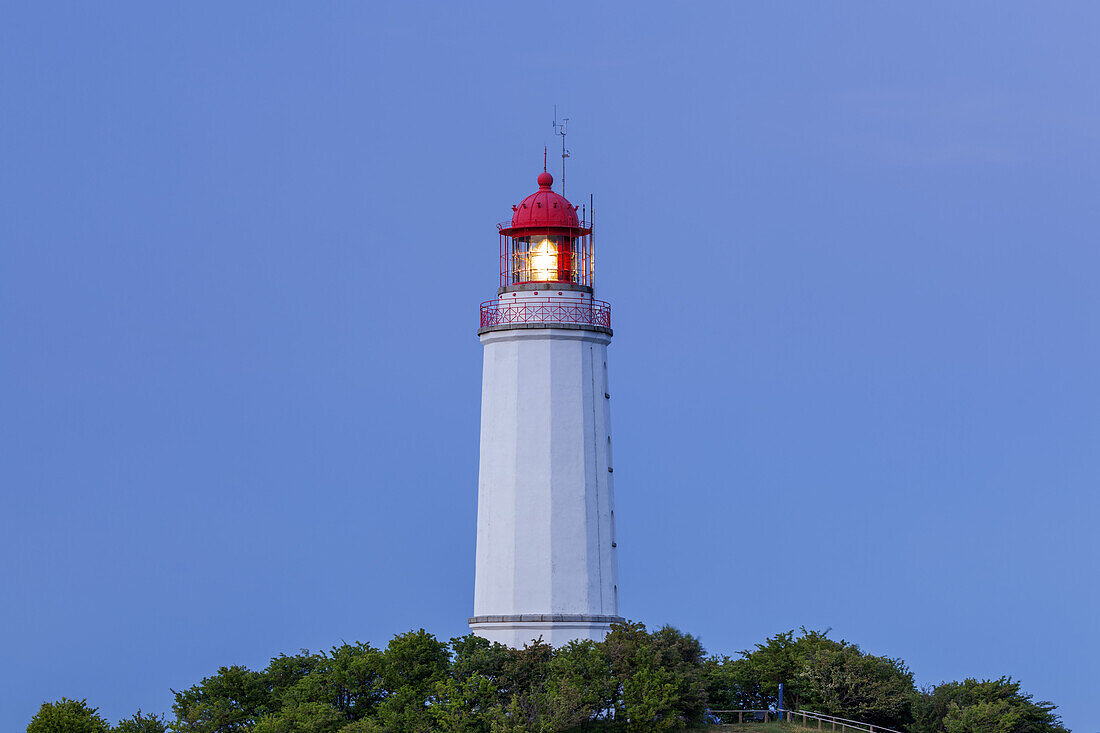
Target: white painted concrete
x=545, y=493
x=541, y=295
x=555, y=633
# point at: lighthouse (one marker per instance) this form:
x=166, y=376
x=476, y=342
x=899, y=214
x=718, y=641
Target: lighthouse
x=546, y=551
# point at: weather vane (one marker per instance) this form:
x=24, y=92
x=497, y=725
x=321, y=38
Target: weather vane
x=559, y=129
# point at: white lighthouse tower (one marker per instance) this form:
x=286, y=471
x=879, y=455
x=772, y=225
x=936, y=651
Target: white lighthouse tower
x=546, y=551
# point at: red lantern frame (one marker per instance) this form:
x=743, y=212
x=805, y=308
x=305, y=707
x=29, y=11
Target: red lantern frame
x=574, y=252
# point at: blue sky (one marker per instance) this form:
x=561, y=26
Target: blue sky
x=851, y=251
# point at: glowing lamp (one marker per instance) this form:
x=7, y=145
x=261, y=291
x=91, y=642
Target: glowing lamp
x=544, y=261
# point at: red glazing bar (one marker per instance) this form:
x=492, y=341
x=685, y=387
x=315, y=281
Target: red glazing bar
x=574, y=263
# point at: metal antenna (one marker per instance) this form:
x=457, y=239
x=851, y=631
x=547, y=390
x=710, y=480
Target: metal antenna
x=559, y=129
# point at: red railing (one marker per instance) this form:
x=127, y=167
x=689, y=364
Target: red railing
x=584, y=223
x=546, y=310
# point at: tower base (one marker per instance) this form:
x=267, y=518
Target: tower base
x=557, y=629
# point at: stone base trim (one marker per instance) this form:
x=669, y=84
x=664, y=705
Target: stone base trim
x=576, y=618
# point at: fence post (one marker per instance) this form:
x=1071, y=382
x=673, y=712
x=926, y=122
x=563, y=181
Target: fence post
x=739, y=714
x=803, y=720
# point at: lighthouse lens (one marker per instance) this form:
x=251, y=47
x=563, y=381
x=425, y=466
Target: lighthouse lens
x=543, y=258
x=544, y=261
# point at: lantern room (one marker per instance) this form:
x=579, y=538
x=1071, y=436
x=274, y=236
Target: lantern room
x=545, y=242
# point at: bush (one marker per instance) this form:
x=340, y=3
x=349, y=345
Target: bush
x=67, y=716
x=986, y=706
x=139, y=723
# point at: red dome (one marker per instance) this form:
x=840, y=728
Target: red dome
x=544, y=208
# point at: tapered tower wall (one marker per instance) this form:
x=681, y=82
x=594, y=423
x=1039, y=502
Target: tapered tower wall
x=546, y=550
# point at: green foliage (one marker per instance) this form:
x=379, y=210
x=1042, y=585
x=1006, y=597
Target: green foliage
x=304, y=717
x=732, y=684
x=348, y=680
x=232, y=701
x=139, y=723
x=415, y=661
x=819, y=674
x=985, y=706
x=784, y=658
x=860, y=686
x=660, y=676
x=67, y=716
x=467, y=704
x=581, y=686
x=634, y=680
x=413, y=665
